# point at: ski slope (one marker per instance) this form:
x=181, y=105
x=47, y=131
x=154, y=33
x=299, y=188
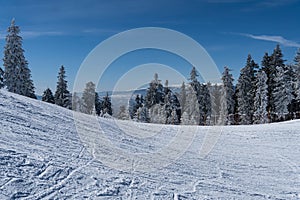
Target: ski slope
x=42, y=156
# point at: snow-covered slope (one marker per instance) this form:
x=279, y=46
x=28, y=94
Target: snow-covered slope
x=43, y=157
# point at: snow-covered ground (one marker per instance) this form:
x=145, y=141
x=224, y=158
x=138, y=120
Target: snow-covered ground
x=43, y=157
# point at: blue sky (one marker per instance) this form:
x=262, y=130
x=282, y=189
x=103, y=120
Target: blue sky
x=61, y=32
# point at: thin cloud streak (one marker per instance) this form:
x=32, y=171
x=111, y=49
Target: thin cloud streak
x=272, y=3
x=34, y=34
x=278, y=39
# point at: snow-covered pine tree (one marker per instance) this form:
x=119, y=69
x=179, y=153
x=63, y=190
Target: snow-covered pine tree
x=261, y=99
x=297, y=72
x=26, y=85
x=154, y=101
x=215, y=92
x=62, y=94
x=1, y=78
x=197, y=87
x=191, y=113
x=142, y=115
x=203, y=97
x=157, y=114
x=142, y=100
x=185, y=118
x=175, y=119
x=172, y=108
x=138, y=103
x=182, y=97
x=193, y=75
x=69, y=101
x=76, y=103
x=145, y=112
x=106, y=105
x=294, y=108
x=270, y=72
x=205, y=104
x=166, y=88
x=227, y=100
x=245, y=92
x=48, y=96
x=276, y=63
x=283, y=93
x=98, y=104
x=168, y=108
x=17, y=75
x=123, y=113
x=88, y=98
x=194, y=82
x=155, y=93
x=201, y=103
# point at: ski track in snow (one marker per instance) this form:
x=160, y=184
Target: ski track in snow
x=42, y=157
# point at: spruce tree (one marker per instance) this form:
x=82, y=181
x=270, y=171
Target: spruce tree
x=227, y=100
x=172, y=108
x=276, y=67
x=17, y=75
x=261, y=99
x=283, y=92
x=215, y=92
x=194, y=75
x=245, y=92
x=155, y=93
x=182, y=97
x=166, y=87
x=295, y=105
x=106, y=105
x=206, y=106
x=98, y=104
x=297, y=72
x=48, y=96
x=168, y=108
x=138, y=104
x=194, y=82
x=203, y=97
x=197, y=87
x=76, y=103
x=191, y=113
x=157, y=114
x=88, y=98
x=142, y=115
x=62, y=94
x=270, y=72
x=123, y=113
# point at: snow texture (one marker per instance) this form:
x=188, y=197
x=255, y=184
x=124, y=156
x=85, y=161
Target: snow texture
x=42, y=157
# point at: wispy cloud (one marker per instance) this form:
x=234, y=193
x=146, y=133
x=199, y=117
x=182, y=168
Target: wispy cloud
x=277, y=39
x=34, y=34
x=272, y=3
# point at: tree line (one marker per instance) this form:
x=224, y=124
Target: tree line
x=264, y=93
x=89, y=102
